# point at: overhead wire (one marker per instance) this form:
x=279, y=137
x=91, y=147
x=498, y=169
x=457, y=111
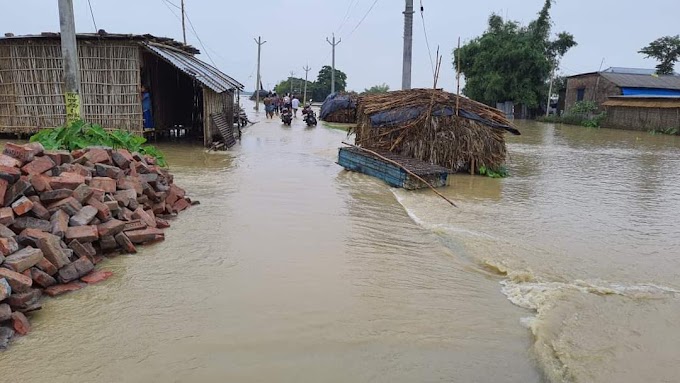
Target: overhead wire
x=347, y=13
x=191, y=25
x=92, y=14
x=427, y=42
x=363, y=18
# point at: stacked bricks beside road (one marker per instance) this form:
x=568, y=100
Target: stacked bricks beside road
x=63, y=212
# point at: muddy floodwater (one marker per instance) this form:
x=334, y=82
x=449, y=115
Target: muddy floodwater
x=293, y=270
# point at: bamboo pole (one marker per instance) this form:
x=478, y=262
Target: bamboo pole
x=419, y=178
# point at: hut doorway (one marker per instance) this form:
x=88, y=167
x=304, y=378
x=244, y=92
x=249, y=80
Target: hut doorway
x=177, y=100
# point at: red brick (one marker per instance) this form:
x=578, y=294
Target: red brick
x=171, y=197
x=96, y=155
x=23, y=259
x=5, y=289
x=75, y=270
x=46, y=266
x=38, y=166
x=50, y=245
x=125, y=196
x=96, y=276
x=122, y=158
x=6, y=160
x=145, y=235
x=9, y=173
x=23, y=300
x=50, y=196
x=110, y=227
x=39, y=210
x=17, y=281
x=82, y=233
x=5, y=313
x=83, y=250
x=149, y=220
x=55, y=290
x=69, y=205
x=82, y=193
x=8, y=246
x=19, y=152
x=67, y=180
x=5, y=232
x=103, y=211
x=162, y=223
x=83, y=217
x=59, y=223
x=36, y=148
x=137, y=224
x=41, y=278
x=3, y=189
x=180, y=205
x=15, y=191
x=105, y=183
x=22, y=206
x=159, y=208
x=125, y=243
x=20, y=323
x=128, y=183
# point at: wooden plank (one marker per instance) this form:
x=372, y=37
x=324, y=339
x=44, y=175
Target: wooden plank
x=226, y=129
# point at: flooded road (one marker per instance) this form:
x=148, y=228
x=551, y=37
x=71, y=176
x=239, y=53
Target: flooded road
x=292, y=270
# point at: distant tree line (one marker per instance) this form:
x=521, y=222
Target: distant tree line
x=316, y=90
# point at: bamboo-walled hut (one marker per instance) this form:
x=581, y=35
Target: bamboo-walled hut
x=434, y=126
x=113, y=67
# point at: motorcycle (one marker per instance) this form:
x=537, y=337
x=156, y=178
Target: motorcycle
x=286, y=116
x=309, y=116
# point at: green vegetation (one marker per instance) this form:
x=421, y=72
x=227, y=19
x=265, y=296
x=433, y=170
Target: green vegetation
x=670, y=131
x=510, y=62
x=316, y=90
x=582, y=113
x=500, y=172
x=382, y=88
x=80, y=135
x=666, y=50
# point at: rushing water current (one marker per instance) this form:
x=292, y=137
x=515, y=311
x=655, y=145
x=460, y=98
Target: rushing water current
x=294, y=270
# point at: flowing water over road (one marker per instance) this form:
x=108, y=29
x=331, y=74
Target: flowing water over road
x=294, y=270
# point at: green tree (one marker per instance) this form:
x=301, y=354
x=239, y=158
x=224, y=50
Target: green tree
x=382, y=88
x=509, y=62
x=666, y=50
x=297, y=85
x=323, y=82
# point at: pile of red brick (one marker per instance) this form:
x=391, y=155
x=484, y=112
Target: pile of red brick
x=63, y=212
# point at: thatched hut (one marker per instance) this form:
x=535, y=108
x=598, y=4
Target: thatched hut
x=434, y=126
x=184, y=90
x=340, y=107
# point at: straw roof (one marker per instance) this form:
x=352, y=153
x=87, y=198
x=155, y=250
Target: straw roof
x=434, y=126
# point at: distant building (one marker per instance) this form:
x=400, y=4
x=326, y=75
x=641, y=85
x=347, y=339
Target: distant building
x=184, y=90
x=599, y=86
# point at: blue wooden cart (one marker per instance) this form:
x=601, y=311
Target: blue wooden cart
x=357, y=160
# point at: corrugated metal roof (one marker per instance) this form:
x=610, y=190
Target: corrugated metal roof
x=644, y=102
x=624, y=80
x=202, y=72
x=617, y=69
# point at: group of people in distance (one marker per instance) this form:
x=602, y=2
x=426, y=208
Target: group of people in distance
x=273, y=104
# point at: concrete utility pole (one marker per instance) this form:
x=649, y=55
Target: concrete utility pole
x=184, y=30
x=69, y=52
x=304, y=98
x=333, y=44
x=291, y=83
x=257, y=84
x=408, y=45
x=547, y=107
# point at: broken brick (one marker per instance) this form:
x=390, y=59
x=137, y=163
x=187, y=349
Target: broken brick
x=82, y=233
x=96, y=276
x=55, y=290
x=38, y=166
x=20, y=323
x=23, y=259
x=22, y=206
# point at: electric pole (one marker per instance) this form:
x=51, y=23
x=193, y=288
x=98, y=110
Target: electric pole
x=184, y=30
x=291, y=84
x=257, y=84
x=304, y=98
x=552, y=76
x=333, y=44
x=408, y=45
x=69, y=52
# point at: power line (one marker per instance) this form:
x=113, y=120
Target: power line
x=363, y=18
x=427, y=42
x=347, y=13
x=92, y=14
x=205, y=50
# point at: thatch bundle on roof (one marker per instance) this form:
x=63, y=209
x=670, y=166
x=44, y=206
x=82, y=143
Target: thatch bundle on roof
x=433, y=126
x=340, y=107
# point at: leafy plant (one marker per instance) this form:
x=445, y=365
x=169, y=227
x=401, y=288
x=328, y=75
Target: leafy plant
x=80, y=135
x=670, y=131
x=499, y=172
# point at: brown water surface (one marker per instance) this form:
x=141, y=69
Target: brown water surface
x=292, y=270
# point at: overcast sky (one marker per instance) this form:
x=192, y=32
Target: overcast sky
x=371, y=51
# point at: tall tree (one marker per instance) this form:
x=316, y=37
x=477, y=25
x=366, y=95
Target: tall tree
x=509, y=62
x=323, y=81
x=666, y=50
